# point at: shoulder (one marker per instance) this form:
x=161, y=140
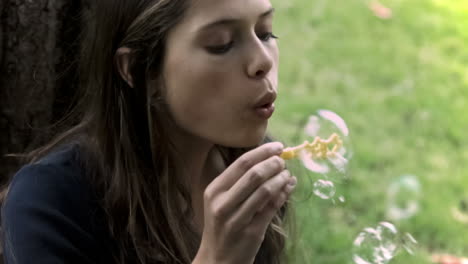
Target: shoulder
x=56, y=178
x=50, y=214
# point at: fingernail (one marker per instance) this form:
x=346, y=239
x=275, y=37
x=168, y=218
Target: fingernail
x=292, y=181
x=291, y=185
x=278, y=147
x=289, y=188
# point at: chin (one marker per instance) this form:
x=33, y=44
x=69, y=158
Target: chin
x=243, y=137
x=246, y=141
x=256, y=141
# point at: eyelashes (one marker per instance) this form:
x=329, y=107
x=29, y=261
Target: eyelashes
x=267, y=36
x=222, y=49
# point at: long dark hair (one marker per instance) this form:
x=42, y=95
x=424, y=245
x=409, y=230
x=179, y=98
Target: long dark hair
x=124, y=144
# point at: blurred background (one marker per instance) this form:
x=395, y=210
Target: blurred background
x=397, y=73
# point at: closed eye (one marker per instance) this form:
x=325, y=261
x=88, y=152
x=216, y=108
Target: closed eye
x=267, y=36
x=220, y=49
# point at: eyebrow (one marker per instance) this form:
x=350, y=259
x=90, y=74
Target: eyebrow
x=228, y=21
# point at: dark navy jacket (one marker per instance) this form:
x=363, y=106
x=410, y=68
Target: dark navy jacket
x=50, y=215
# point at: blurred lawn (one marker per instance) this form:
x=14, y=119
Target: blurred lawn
x=402, y=86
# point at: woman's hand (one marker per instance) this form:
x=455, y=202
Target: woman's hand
x=240, y=204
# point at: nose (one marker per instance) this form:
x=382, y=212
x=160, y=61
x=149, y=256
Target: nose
x=260, y=60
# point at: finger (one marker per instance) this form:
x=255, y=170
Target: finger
x=245, y=162
x=254, y=178
x=263, y=218
x=289, y=188
x=263, y=195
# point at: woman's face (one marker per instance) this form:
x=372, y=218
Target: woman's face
x=220, y=71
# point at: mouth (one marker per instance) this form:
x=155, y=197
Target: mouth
x=265, y=106
x=265, y=111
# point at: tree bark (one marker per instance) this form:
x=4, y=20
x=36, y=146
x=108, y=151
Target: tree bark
x=38, y=50
x=38, y=45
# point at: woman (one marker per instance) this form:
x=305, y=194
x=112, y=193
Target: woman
x=167, y=164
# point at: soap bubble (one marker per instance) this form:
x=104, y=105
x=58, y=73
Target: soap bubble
x=409, y=243
x=403, y=197
x=379, y=245
x=323, y=151
x=375, y=245
x=388, y=238
x=331, y=151
x=364, y=247
x=324, y=189
x=342, y=199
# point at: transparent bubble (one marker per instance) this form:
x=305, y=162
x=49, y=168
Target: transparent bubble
x=324, y=189
x=367, y=247
x=403, y=197
x=388, y=239
x=381, y=244
x=323, y=152
x=409, y=243
x=330, y=151
x=342, y=199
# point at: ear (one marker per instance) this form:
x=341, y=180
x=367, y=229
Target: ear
x=122, y=58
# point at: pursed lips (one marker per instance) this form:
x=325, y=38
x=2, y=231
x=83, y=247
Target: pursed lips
x=265, y=106
x=267, y=97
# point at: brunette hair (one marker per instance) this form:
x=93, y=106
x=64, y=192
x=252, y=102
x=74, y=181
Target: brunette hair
x=124, y=144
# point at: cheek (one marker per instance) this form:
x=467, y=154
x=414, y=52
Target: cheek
x=197, y=90
x=196, y=80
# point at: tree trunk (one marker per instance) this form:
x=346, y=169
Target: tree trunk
x=38, y=47
x=38, y=43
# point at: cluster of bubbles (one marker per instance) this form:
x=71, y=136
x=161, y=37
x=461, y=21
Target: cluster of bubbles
x=381, y=244
x=331, y=168
x=373, y=245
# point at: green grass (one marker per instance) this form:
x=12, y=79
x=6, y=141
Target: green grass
x=402, y=87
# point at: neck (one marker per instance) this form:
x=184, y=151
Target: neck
x=201, y=163
x=194, y=156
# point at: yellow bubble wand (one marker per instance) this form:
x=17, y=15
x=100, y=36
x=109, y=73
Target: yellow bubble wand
x=319, y=148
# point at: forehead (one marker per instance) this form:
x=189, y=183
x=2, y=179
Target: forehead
x=202, y=12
